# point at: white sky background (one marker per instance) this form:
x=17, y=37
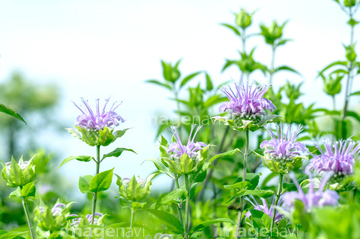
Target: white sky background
x=95, y=49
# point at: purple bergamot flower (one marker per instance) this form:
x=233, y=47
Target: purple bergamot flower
x=98, y=120
x=338, y=158
x=311, y=199
x=191, y=148
x=283, y=146
x=76, y=221
x=247, y=101
x=264, y=208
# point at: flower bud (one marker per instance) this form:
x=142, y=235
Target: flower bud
x=86, y=220
x=134, y=189
x=349, y=3
x=18, y=174
x=52, y=219
x=243, y=19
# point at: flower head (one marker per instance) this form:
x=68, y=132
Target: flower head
x=312, y=199
x=98, y=120
x=191, y=148
x=76, y=221
x=264, y=208
x=283, y=147
x=247, y=101
x=338, y=158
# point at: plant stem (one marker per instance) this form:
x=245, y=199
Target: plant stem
x=132, y=218
x=95, y=194
x=350, y=68
x=276, y=201
x=24, y=204
x=187, y=207
x=180, y=204
x=242, y=202
x=272, y=67
x=208, y=176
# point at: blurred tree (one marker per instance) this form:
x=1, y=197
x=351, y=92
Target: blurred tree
x=30, y=100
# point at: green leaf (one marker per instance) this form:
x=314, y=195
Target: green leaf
x=16, y=193
x=226, y=154
x=168, y=219
x=355, y=93
x=84, y=183
x=239, y=185
x=188, y=78
x=209, y=84
x=159, y=84
x=259, y=193
x=353, y=114
x=101, y=182
x=265, y=219
x=352, y=22
x=205, y=224
x=120, y=133
x=286, y=68
x=11, y=112
x=28, y=190
x=236, y=31
x=117, y=152
x=171, y=196
x=82, y=158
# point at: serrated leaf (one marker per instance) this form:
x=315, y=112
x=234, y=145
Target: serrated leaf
x=101, y=182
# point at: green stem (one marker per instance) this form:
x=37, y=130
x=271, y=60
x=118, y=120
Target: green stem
x=187, y=207
x=95, y=194
x=180, y=203
x=132, y=218
x=276, y=201
x=242, y=202
x=27, y=214
x=272, y=67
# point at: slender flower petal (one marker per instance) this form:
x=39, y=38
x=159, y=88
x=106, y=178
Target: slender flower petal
x=313, y=198
x=264, y=208
x=98, y=120
x=247, y=101
x=283, y=147
x=191, y=148
x=338, y=158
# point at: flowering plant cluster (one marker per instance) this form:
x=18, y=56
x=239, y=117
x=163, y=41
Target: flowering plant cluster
x=247, y=177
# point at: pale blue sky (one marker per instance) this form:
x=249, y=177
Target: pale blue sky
x=94, y=49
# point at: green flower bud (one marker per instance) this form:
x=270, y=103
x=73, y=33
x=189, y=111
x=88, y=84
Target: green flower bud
x=350, y=52
x=52, y=219
x=102, y=137
x=134, y=189
x=185, y=164
x=282, y=166
x=272, y=33
x=18, y=174
x=243, y=19
x=349, y=3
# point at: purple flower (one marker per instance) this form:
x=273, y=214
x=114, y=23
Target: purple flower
x=338, y=158
x=76, y=221
x=247, y=101
x=191, y=148
x=312, y=198
x=283, y=146
x=264, y=208
x=23, y=165
x=141, y=182
x=98, y=120
x=56, y=210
